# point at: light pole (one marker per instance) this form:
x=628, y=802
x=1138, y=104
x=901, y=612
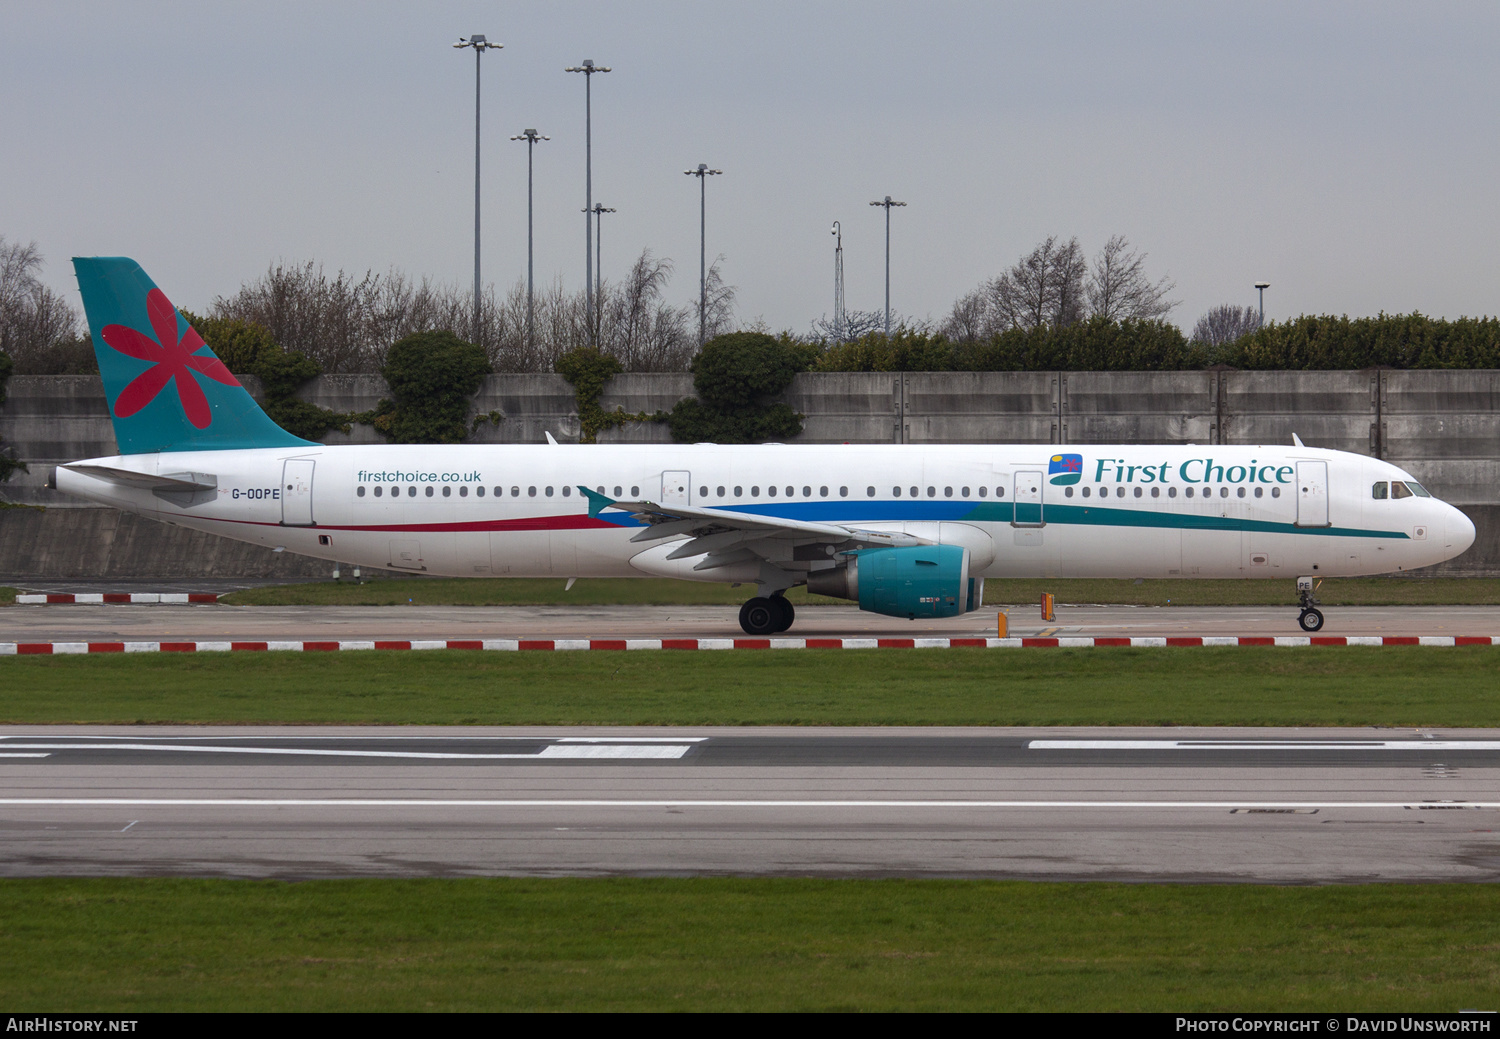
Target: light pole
x=530, y=137
x=702, y=173
x=599, y=210
x=1262, y=286
x=588, y=68
x=480, y=45
x=886, y=203
x=838, y=282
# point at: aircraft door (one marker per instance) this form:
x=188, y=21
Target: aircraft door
x=675, y=488
x=1312, y=494
x=296, y=492
x=1028, y=500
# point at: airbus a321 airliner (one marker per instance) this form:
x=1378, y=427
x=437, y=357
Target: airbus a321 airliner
x=904, y=530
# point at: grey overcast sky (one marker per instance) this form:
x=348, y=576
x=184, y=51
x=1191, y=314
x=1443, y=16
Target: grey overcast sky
x=1344, y=152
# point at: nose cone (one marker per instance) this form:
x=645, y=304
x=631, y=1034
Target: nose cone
x=1458, y=532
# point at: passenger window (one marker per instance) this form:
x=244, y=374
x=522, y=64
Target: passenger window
x=807, y=492
x=360, y=491
x=463, y=492
x=869, y=492
x=1086, y=492
x=914, y=492
x=1399, y=490
x=1276, y=492
x=429, y=490
x=1156, y=492
x=932, y=492
x=619, y=491
x=771, y=492
x=1380, y=491
x=947, y=492
x=1240, y=491
x=567, y=490
x=1171, y=492
x=1119, y=492
x=823, y=492
x=635, y=492
x=1137, y=492
x=965, y=492
x=1260, y=492
x=755, y=492
x=895, y=492
x=702, y=492
x=983, y=491
x=1187, y=493
x=721, y=492
x=447, y=491
x=739, y=492
x=1223, y=492
x=1068, y=492
x=515, y=492
x=791, y=492
x=479, y=492
x=549, y=492
x=531, y=492
x=999, y=492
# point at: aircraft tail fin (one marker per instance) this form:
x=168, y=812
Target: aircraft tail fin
x=166, y=389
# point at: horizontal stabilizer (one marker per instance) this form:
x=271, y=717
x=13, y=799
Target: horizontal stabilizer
x=182, y=489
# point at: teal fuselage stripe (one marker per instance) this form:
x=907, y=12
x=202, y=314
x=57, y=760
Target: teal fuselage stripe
x=1101, y=516
x=895, y=511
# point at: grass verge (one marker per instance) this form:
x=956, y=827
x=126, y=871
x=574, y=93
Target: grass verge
x=1394, y=686
x=742, y=944
x=1354, y=591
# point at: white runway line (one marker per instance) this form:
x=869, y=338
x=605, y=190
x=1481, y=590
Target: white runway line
x=550, y=751
x=5, y=755
x=1426, y=745
x=408, y=802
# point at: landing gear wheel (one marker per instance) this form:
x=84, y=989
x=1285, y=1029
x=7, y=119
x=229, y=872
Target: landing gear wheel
x=1311, y=620
x=788, y=614
x=760, y=616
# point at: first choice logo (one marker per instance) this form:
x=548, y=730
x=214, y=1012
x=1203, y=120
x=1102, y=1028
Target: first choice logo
x=1194, y=470
x=396, y=476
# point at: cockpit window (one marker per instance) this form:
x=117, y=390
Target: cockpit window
x=1418, y=489
x=1380, y=491
x=1398, y=490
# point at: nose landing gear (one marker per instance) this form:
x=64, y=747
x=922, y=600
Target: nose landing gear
x=767, y=615
x=1311, y=618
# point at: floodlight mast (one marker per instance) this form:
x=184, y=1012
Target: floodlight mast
x=838, y=283
x=480, y=45
x=588, y=68
x=1262, y=286
x=530, y=137
x=599, y=210
x=702, y=173
x=886, y=203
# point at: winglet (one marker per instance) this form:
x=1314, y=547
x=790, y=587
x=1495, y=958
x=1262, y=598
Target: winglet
x=1297, y=441
x=597, y=502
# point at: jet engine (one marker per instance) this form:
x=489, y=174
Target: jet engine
x=918, y=581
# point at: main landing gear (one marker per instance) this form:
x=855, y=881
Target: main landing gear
x=1311, y=618
x=766, y=615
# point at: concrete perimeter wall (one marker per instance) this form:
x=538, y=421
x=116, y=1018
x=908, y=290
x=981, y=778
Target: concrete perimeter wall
x=1441, y=425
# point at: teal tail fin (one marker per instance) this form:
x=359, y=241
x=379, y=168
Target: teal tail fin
x=166, y=389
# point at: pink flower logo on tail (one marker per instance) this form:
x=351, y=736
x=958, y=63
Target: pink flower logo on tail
x=171, y=361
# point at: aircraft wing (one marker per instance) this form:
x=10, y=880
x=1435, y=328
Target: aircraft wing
x=724, y=536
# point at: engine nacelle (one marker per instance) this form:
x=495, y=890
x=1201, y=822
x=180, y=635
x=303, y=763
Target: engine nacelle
x=922, y=581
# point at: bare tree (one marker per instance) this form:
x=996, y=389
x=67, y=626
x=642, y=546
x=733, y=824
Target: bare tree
x=1224, y=324
x=639, y=327
x=719, y=313
x=857, y=324
x=1119, y=290
x=34, y=320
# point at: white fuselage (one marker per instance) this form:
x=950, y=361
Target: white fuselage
x=507, y=510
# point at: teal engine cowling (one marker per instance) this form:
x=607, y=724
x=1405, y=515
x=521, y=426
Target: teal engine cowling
x=919, y=581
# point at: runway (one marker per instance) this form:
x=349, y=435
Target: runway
x=1191, y=805
x=83, y=623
